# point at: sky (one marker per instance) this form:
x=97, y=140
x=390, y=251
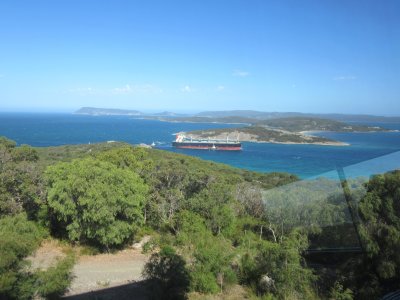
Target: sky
x=331, y=56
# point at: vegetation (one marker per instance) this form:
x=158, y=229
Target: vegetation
x=260, y=134
x=19, y=238
x=169, y=278
x=288, y=123
x=94, y=201
x=297, y=124
x=213, y=226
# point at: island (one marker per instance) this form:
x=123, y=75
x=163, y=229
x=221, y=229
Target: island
x=292, y=124
x=259, y=134
x=94, y=111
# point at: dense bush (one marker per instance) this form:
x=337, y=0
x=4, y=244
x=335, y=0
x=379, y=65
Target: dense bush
x=95, y=201
x=18, y=238
x=167, y=275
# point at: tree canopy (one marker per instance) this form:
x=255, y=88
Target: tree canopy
x=95, y=201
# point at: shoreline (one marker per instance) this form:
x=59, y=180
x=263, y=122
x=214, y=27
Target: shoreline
x=253, y=139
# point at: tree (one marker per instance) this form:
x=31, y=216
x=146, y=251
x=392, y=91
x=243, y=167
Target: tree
x=20, y=179
x=379, y=211
x=18, y=238
x=95, y=201
x=210, y=256
x=169, y=278
x=277, y=268
x=135, y=159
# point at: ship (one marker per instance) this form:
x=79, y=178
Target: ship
x=184, y=142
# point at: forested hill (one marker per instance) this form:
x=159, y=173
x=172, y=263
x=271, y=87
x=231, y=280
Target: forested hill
x=297, y=124
x=276, y=115
x=262, y=134
x=213, y=229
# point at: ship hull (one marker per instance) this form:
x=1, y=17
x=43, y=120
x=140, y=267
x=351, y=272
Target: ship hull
x=208, y=146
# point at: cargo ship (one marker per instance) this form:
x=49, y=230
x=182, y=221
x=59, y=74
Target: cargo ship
x=206, y=144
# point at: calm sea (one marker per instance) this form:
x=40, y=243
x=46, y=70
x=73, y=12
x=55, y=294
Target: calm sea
x=303, y=160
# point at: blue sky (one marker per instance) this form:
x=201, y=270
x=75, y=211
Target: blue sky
x=307, y=56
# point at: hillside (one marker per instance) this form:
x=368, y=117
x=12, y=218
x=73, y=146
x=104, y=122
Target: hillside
x=275, y=115
x=79, y=211
x=297, y=124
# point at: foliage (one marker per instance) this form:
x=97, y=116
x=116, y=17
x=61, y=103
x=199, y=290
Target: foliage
x=379, y=211
x=135, y=159
x=95, y=201
x=277, y=268
x=228, y=225
x=20, y=181
x=338, y=292
x=168, y=275
x=54, y=281
x=19, y=238
x=210, y=256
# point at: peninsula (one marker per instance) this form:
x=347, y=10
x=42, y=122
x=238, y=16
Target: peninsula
x=292, y=124
x=259, y=134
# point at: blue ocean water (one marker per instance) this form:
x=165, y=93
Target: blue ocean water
x=302, y=160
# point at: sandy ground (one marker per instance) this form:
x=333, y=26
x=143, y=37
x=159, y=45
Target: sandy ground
x=103, y=276
x=47, y=255
x=107, y=270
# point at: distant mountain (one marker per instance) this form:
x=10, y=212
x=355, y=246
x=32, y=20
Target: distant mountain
x=94, y=111
x=275, y=115
x=169, y=114
x=290, y=124
x=298, y=124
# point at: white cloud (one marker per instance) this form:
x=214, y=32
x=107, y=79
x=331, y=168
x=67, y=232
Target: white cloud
x=186, y=89
x=147, y=89
x=220, y=88
x=123, y=90
x=83, y=91
x=137, y=89
x=347, y=77
x=240, y=73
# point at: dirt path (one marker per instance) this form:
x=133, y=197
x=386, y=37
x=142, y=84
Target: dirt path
x=107, y=270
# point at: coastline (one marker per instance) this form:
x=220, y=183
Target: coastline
x=251, y=138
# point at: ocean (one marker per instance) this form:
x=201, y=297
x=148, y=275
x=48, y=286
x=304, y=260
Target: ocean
x=377, y=149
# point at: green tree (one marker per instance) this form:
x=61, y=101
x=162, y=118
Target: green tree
x=95, y=201
x=127, y=157
x=20, y=179
x=18, y=238
x=379, y=211
x=169, y=278
x=211, y=256
x=277, y=268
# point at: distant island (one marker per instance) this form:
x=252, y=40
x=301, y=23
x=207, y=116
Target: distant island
x=94, y=111
x=292, y=130
x=234, y=116
x=260, y=134
x=293, y=124
x=261, y=127
x=262, y=115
